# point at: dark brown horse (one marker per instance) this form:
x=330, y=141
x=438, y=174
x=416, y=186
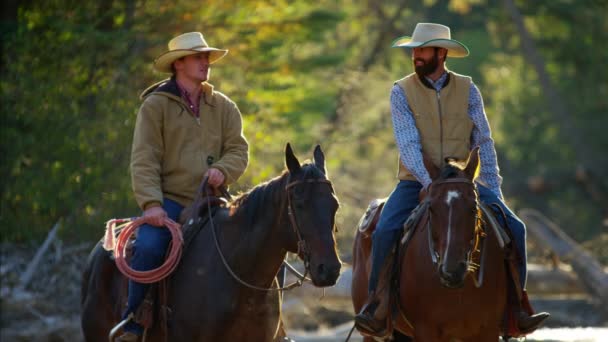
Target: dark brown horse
x=294, y=212
x=441, y=293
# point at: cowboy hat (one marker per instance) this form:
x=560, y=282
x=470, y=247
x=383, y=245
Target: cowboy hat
x=433, y=35
x=183, y=45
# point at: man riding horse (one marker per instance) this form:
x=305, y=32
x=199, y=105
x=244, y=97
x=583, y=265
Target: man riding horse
x=440, y=114
x=185, y=131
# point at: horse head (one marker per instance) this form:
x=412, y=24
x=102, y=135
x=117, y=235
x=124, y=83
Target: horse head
x=311, y=207
x=453, y=218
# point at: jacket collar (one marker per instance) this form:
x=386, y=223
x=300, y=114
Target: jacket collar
x=169, y=87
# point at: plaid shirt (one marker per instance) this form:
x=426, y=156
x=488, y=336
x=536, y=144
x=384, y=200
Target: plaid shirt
x=194, y=107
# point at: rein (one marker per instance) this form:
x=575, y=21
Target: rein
x=302, y=248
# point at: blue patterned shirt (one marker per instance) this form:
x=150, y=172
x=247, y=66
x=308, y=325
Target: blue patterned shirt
x=410, y=148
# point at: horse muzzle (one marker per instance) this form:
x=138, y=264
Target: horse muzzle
x=453, y=279
x=324, y=275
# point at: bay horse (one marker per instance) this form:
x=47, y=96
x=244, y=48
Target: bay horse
x=293, y=212
x=446, y=290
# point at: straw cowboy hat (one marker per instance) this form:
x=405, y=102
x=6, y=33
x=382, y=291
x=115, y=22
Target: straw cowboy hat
x=183, y=45
x=433, y=35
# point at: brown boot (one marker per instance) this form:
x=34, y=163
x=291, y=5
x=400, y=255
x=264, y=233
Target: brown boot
x=525, y=319
x=127, y=337
x=371, y=320
x=529, y=323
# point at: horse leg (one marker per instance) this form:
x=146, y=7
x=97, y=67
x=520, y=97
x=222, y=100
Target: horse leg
x=95, y=324
x=97, y=296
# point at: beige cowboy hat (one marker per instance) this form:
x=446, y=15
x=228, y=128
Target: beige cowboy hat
x=183, y=45
x=432, y=35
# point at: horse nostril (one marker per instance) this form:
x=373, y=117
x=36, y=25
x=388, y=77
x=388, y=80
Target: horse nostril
x=321, y=268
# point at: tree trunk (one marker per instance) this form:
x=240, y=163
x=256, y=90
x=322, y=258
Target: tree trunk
x=553, y=100
x=590, y=272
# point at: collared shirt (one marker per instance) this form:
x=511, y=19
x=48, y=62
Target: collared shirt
x=194, y=107
x=410, y=148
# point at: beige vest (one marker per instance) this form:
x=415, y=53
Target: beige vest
x=442, y=118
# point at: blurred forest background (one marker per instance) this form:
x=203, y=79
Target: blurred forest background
x=304, y=72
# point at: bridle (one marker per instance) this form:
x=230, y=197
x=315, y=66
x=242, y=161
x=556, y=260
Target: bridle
x=302, y=247
x=479, y=232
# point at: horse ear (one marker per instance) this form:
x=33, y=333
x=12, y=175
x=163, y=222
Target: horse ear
x=319, y=158
x=473, y=165
x=430, y=167
x=293, y=165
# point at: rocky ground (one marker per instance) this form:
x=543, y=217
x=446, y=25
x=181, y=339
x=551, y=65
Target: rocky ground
x=45, y=306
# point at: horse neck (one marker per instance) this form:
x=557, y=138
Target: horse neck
x=257, y=240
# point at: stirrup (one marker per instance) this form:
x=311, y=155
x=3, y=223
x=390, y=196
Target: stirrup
x=119, y=326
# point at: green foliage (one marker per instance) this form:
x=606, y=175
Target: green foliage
x=303, y=72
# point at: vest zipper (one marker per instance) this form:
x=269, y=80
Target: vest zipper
x=440, y=129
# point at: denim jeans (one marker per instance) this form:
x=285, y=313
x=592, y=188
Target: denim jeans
x=398, y=208
x=149, y=252
x=517, y=227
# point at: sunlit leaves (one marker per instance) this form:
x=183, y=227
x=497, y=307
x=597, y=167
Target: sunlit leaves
x=74, y=71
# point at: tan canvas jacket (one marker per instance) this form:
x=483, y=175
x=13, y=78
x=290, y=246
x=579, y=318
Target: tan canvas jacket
x=172, y=149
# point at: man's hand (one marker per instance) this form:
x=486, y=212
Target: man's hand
x=216, y=177
x=155, y=216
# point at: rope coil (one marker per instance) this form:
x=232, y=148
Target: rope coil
x=157, y=274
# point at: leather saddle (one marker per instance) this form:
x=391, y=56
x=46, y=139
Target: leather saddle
x=192, y=219
x=369, y=220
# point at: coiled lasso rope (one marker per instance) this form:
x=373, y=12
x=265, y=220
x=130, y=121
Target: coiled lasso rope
x=119, y=246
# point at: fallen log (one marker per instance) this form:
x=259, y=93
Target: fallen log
x=589, y=271
x=26, y=277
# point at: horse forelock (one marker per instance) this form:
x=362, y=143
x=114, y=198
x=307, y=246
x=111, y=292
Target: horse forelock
x=451, y=170
x=311, y=171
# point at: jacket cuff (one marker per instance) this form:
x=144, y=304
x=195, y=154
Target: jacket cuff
x=151, y=204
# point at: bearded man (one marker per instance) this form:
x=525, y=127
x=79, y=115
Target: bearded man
x=440, y=114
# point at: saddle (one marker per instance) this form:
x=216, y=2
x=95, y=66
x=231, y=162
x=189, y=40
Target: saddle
x=155, y=305
x=369, y=220
x=199, y=209
x=193, y=219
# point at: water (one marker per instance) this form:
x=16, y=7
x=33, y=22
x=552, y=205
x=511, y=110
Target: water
x=594, y=334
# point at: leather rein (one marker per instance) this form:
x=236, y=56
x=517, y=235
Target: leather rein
x=302, y=247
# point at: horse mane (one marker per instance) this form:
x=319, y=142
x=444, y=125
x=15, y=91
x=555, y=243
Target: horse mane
x=252, y=201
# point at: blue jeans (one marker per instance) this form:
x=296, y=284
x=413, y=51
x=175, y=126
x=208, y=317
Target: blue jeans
x=398, y=208
x=517, y=227
x=149, y=252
